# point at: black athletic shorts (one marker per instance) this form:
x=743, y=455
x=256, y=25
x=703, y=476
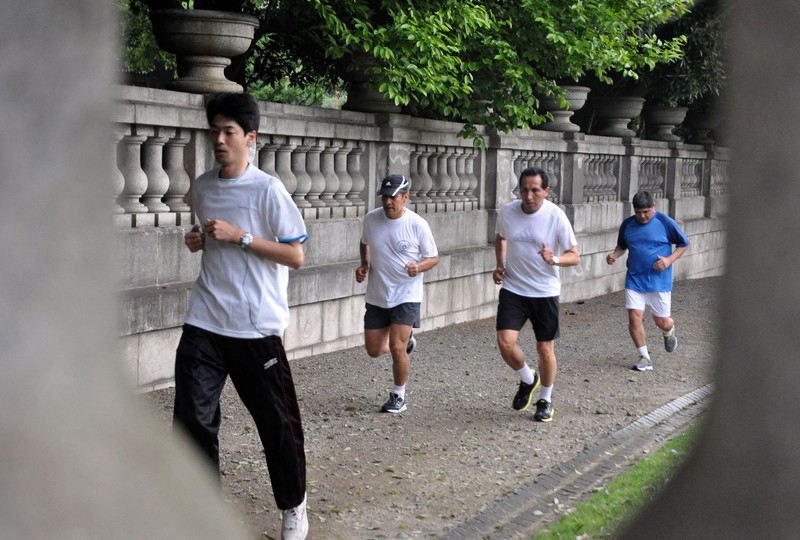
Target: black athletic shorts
x=513, y=310
x=377, y=317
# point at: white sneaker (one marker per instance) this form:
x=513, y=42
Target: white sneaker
x=644, y=364
x=295, y=522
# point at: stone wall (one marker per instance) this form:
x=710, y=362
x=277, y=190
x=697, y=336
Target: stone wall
x=331, y=162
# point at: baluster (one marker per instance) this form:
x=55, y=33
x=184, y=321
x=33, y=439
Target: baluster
x=301, y=175
x=266, y=158
x=443, y=182
x=359, y=182
x=157, y=178
x=340, y=168
x=455, y=181
x=472, y=191
x=117, y=178
x=425, y=179
x=179, y=181
x=413, y=176
x=261, y=141
x=283, y=167
x=461, y=174
x=433, y=169
x=328, y=170
x=130, y=163
x=317, y=179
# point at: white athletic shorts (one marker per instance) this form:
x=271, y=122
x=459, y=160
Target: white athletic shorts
x=660, y=303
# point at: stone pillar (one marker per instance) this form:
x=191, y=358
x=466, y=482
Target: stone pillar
x=80, y=457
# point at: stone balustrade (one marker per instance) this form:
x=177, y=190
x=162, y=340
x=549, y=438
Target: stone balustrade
x=331, y=162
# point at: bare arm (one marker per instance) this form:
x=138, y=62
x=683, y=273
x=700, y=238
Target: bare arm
x=612, y=257
x=570, y=257
x=361, y=271
x=665, y=262
x=422, y=266
x=286, y=253
x=500, y=257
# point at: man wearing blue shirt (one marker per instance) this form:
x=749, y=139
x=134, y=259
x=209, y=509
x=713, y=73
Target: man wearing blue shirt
x=649, y=236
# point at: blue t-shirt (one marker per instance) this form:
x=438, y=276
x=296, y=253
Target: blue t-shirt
x=644, y=244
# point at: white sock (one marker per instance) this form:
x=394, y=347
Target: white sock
x=546, y=393
x=525, y=374
x=643, y=352
x=668, y=332
x=400, y=391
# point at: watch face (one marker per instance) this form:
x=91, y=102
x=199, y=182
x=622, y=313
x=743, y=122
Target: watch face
x=246, y=240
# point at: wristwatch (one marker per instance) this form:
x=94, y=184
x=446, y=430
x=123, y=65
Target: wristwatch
x=555, y=260
x=245, y=240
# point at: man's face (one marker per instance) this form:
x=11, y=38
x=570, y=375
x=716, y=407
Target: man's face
x=393, y=207
x=230, y=142
x=531, y=193
x=644, y=215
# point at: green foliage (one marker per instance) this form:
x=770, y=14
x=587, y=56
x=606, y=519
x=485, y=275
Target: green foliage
x=140, y=52
x=700, y=71
x=605, y=514
x=485, y=62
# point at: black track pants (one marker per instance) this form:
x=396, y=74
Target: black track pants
x=260, y=372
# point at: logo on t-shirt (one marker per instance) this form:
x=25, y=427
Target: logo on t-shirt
x=403, y=246
x=525, y=235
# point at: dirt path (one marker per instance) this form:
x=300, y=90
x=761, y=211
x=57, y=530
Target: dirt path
x=459, y=447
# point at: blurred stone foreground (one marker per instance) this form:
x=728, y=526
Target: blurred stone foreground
x=76, y=457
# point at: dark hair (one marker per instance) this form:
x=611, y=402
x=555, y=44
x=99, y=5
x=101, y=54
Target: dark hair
x=535, y=171
x=239, y=107
x=642, y=200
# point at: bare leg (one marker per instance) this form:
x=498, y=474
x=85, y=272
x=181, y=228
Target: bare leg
x=510, y=349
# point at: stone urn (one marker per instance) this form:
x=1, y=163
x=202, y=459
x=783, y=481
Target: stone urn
x=575, y=97
x=661, y=121
x=700, y=125
x=614, y=113
x=361, y=96
x=204, y=42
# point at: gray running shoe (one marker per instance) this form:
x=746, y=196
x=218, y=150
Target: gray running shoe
x=412, y=344
x=395, y=404
x=644, y=364
x=671, y=341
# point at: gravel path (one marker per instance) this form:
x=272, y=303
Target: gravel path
x=459, y=447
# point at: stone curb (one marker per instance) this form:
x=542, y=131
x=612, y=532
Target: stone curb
x=546, y=499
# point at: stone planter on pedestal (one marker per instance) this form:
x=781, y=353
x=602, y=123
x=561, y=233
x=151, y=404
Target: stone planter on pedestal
x=700, y=124
x=661, y=121
x=360, y=94
x=614, y=113
x=204, y=42
x=575, y=96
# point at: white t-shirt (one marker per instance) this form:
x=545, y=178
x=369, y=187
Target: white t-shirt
x=392, y=244
x=238, y=293
x=527, y=274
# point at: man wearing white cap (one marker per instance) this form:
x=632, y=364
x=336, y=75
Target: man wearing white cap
x=396, y=248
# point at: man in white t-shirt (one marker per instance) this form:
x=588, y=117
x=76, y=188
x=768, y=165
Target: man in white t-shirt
x=396, y=248
x=251, y=234
x=530, y=233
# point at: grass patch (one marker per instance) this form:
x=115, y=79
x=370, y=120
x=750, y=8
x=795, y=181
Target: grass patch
x=611, y=508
